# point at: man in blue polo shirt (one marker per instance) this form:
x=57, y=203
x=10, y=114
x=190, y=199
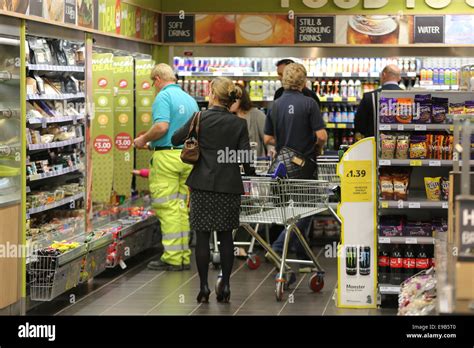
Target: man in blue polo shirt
x=172, y=108
x=295, y=123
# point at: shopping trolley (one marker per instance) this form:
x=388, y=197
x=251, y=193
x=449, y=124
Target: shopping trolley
x=269, y=200
x=261, y=166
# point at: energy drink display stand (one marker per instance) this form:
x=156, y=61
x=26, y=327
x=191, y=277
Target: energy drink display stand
x=357, y=281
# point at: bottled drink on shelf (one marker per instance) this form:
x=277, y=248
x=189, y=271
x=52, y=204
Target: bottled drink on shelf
x=205, y=88
x=199, y=88
x=344, y=88
x=266, y=89
x=336, y=89
x=186, y=86
x=192, y=88
x=409, y=262
x=259, y=89
x=323, y=88
x=344, y=114
x=272, y=89
x=358, y=89
x=332, y=114
x=329, y=89
x=316, y=87
x=350, y=89
x=422, y=261
x=396, y=265
x=325, y=113
x=338, y=116
x=351, y=114
x=384, y=265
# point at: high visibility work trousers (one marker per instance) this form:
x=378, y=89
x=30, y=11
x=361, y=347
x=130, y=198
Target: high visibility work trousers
x=169, y=193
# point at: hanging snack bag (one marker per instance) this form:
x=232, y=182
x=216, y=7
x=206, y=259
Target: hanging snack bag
x=422, y=112
x=388, y=144
x=386, y=187
x=404, y=110
x=387, y=108
x=439, y=109
x=41, y=54
x=403, y=144
x=418, y=147
x=433, y=188
x=444, y=189
x=400, y=186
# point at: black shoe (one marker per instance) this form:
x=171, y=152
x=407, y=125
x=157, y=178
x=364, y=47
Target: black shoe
x=224, y=294
x=163, y=266
x=203, y=296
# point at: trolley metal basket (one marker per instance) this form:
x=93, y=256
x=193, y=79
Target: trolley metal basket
x=284, y=202
x=327, y=170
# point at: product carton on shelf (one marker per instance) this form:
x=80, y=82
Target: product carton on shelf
x=465, y=281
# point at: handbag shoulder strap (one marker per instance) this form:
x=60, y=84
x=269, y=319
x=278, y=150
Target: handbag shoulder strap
x=194, y=124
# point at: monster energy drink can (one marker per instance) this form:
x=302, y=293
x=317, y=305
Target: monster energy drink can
x=351, y=260
x=364, y=260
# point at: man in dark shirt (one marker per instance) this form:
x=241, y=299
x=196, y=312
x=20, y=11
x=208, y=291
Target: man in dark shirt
x=281, y=65
x=295, y=122
x=365, y=117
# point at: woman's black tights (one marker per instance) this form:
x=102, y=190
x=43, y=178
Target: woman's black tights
x=226, y=249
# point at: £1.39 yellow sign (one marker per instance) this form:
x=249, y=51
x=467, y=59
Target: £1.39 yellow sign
x=357, y=181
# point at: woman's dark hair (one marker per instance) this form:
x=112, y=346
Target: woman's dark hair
x=245, y=102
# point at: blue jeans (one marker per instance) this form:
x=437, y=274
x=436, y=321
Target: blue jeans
x=294, y=243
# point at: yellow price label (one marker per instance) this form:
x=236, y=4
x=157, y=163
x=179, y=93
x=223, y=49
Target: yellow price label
x=330, y=125
x=207, y=98
x=337, y=99
x=257, y=99
x=415, y=163
x=351, y=99
x=342, y=125
x=323, y=99
x=451, y=128
x=356, y=183
x=384, y=205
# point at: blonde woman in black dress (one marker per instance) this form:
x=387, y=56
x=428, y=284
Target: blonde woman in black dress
x=215, y=181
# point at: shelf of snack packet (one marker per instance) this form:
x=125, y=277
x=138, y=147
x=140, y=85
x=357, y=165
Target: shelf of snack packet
x=55, y=144
x=406, y=240
x=413, y=203
x=416, y=127
x=54, y=173
x=59, y=119
x=58, y=68
x=63, y=96
x=56, y=204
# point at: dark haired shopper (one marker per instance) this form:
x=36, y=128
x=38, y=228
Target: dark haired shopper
x=281, y=65
x=255, y=122
x=216, y=184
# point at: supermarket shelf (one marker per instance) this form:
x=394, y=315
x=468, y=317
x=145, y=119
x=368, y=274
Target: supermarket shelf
x=5, y=75
x=415, y=163
x=325, y=99
x=340, y=125
x=62, y=68
x=56, y=144
x=387, y=289
x=56, y=119
x=63, y=96
x=54, y=173
x=416, y=127
x=206, y=99
x=414, y=204
x=406, y=240
x=56, y=204
x=240, y=73
x=439, y=87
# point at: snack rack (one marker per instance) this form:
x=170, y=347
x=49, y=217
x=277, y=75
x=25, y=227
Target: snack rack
x=416, y=207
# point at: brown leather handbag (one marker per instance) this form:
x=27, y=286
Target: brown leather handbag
x=190, y=153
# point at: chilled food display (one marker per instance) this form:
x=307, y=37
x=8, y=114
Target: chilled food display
x=44, y=198
x=51, y=224
x=418, y=295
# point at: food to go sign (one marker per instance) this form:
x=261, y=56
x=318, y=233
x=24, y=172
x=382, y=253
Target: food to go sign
x=373, y=4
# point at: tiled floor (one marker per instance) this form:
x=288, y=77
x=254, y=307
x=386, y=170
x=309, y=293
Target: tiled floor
x=139, y=291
